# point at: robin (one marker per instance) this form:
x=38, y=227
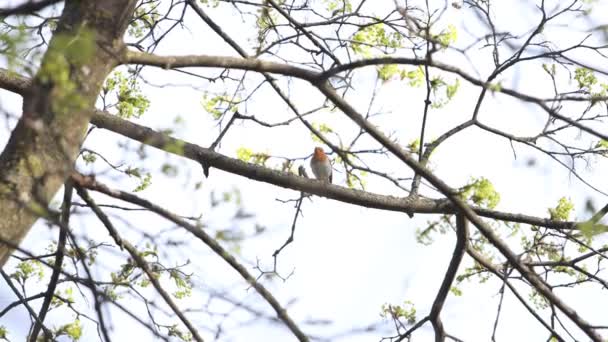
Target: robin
x=321, y=166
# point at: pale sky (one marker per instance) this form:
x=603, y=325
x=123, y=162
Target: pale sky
x=347, y=261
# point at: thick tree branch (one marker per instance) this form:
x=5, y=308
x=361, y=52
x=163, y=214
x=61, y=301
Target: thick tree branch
x=318, y=78
x=194, y=152
x=330, y=93
x=251, y=64
x=421, y=205
x=288, y=180
x=14, y=82
x=367, y=199
x=271, y=80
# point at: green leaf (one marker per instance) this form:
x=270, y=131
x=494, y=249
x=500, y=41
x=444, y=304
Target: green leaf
x=538, y=300
x=602, y=147
x=72, y=330
x=585, y=78
x=562, y=211
x=64, y=56
x=452, y=89
x=495, y=87
x=481, y=192
x=144, y=183
x=550, y=70
x=322, y=128
x=3, y=332
x=356, y=177
x=183, y=284
x=74, y=48
x=387, y=71
x=374, y=36
x=456, y=291
x=590, y=229
x=28, y=269
x=219, y=104
x=415, y=77
x=169, y=170
x=12, y=41
x=437, y=84
x=133, y=172
x=146, y=16
x=406, y=311
x=414, y=146
x=447, y=36
x=131, y=101
x=89, y=158
x=247, y=155
x=338, y=6
x=174, y=331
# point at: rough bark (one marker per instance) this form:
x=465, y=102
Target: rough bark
x=43, y=146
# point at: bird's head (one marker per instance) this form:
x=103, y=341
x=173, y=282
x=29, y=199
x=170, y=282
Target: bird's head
x=319, y=154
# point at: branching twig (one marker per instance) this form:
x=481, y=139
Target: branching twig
x=92, y=184
x=47, y=333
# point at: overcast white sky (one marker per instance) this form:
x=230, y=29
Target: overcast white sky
x=347, y=261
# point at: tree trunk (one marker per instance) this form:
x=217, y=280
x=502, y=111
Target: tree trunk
x=56, y=112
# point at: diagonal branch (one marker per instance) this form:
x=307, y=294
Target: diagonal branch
x=494, y=270
x=47, y=333
x=19, y=302
x=84, y=194
x=308, y=35
x=90, y=183
x=454, y=197
x=462, y=234
x=139, y=260
x=143, y=264
x=394, y=148
x=273, y=84
x=367, y=199
x=65, y=218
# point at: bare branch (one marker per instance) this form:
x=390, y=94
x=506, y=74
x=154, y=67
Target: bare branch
x=462, y=235
x=27, y=7
x=92, y=184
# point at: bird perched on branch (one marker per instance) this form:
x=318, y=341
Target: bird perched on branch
x=321, y=166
